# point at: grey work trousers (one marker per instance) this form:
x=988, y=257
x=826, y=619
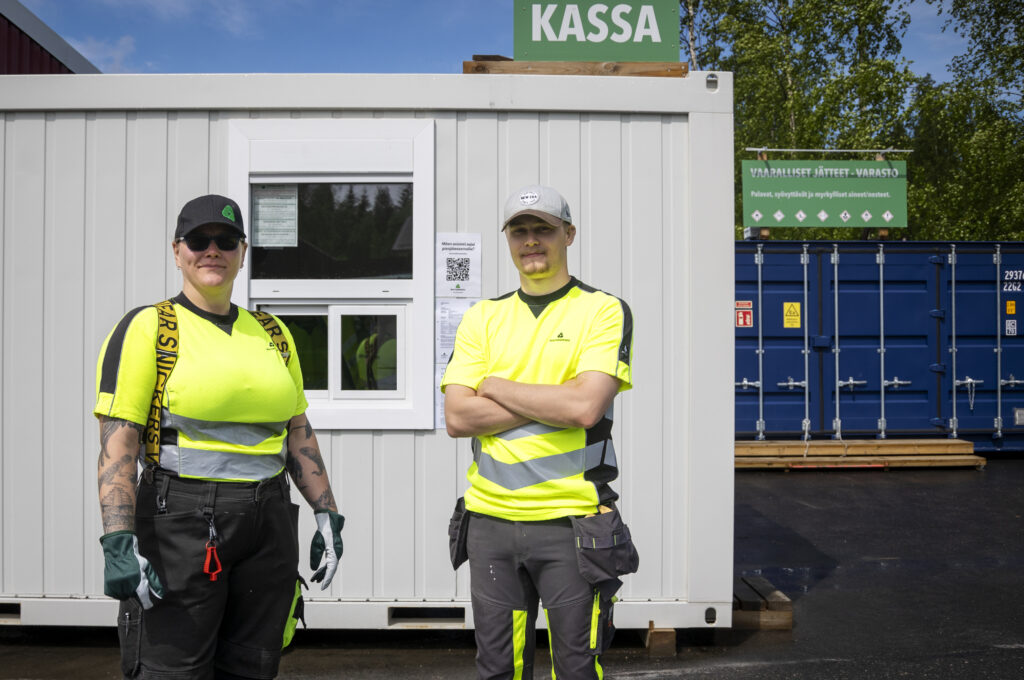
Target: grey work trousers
x=512, y=566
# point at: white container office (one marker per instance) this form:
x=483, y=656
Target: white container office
x=93, y=169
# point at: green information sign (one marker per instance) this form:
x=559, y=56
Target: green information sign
x=597, y=31
x=824, y=193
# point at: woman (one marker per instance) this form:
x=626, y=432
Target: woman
x=203, y=554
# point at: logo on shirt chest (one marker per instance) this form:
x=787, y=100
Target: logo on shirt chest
x=559, y=338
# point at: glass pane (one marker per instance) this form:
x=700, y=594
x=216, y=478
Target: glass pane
x=310, y=335
x=369, y=356
x=345, y=231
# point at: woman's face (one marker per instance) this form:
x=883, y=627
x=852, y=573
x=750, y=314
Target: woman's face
x=210, y=269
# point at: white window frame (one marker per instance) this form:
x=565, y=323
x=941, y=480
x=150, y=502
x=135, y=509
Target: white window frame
x=288, y=151
x=335, y=312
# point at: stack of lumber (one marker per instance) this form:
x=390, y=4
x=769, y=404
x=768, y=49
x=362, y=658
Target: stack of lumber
x=857, y=453
x=758, y=605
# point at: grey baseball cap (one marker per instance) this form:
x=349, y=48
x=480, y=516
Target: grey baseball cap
x=539, y=201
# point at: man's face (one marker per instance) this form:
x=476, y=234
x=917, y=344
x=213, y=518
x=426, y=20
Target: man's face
x=538, y=249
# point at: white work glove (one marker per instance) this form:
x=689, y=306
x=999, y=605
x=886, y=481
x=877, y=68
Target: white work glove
x=326, y=546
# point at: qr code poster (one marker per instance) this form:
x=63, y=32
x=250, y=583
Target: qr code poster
x=457, y=262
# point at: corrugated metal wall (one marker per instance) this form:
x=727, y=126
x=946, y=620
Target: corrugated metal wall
x=89, y=202
x=21, y=54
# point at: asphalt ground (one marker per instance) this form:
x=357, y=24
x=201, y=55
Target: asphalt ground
x=899, y=574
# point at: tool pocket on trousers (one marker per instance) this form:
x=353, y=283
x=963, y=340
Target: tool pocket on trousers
x=458, y=530
x=175, y=544
x=602, y=625
x=129, y=634
x=604, y=549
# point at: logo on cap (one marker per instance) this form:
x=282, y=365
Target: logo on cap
x=529, y=197
x=228, y=213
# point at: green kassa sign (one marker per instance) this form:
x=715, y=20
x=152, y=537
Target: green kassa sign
x=824, y=193
x=597, y=31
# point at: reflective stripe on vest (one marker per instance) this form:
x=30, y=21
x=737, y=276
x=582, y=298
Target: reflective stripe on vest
x=545, y=469
x=190, y=462
x=200, y=463
x=528, y=430
x=240, y=434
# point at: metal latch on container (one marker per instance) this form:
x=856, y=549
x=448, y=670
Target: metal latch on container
x=790, y=383
x=851, y=383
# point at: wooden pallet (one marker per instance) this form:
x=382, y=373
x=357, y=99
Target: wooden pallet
x=857, y=453
x=758, y=605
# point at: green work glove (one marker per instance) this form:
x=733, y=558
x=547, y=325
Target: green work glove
x=326, y=546
x=126, y=572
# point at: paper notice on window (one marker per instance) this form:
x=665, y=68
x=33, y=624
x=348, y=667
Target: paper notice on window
x=458, y=265
x=275, y=215
x=447, y=315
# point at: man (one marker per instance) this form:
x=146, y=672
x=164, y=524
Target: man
x=532, y=378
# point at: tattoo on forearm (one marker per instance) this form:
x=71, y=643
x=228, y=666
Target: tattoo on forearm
x=109, y=426
x=314, y=455
x=309, y=430
x=295, y=470
x=325, y=501
x=117, y=509
x=109, y=472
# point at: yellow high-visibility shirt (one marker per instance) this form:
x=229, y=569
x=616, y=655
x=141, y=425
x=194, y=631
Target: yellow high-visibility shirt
x=227, y=403
x=537, y=471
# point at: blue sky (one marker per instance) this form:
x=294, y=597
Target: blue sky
x=344, y=36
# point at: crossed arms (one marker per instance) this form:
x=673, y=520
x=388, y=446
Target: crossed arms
x=499, y=404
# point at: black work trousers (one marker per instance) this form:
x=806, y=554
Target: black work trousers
x=203, y=628
x=512, y=566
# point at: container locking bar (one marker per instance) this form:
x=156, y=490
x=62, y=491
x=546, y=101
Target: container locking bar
x=851, y=383
x=747, y=384
x=997, y=260
x=792, y=384
x=896, y=383
x=971, y=383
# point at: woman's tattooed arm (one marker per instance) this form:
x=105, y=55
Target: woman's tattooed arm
x=306, y=465
x=117, y=467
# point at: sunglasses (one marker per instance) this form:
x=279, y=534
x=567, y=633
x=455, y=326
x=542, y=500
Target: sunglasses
x=198, y=243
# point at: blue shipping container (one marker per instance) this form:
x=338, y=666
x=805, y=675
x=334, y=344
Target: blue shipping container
x=880, y=339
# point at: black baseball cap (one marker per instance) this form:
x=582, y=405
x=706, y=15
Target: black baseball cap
x=209, y=209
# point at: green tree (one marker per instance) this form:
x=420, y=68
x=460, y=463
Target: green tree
x=808, y=74
x=967, y=178
x=995, y=46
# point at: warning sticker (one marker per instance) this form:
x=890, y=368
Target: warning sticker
x=744, y=314
x=791, y=315
x=1011, y=306
x=1011, y=327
